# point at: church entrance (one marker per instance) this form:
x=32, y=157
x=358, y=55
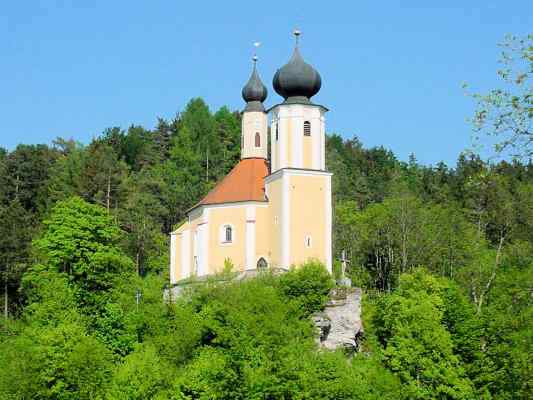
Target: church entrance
x=262, y=264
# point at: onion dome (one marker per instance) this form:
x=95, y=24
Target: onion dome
x=297, y=81
x=254, y=92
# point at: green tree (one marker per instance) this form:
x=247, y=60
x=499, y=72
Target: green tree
x=27, y=169
x=65, y=175
x=505, y=113
x=504, y=367
x=141, y=216
x=417, y=346
x=228, y=132
x=143, y=375
x=81, y=241
x=15, y=237
x=101, y=176
x=308, y=284
x=54, y=362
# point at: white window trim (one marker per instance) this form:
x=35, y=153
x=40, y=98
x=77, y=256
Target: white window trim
x=222, y=235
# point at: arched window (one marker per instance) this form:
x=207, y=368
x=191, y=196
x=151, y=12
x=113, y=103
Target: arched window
x=257, y=140
x=307, y=128
x=227, y=235
x=262, y=264
x=228, y=232
x=308, y=241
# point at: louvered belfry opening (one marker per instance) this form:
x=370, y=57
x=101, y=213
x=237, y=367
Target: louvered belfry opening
x=307, y=128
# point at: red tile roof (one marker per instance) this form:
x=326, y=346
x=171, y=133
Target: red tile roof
x=245, y=182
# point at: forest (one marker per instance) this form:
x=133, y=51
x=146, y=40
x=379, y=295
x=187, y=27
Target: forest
x=444, y=255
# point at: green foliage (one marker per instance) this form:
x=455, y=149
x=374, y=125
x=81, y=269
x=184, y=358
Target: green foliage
x=15, y=241
x=209, y=376
x=309, y=285
x=228, y=267
x=134, y=311
x=51, y=300
x=504, y=367
x=88, y=326
x=417, y=346
x=257, y=344
x=60, y=362
x=80, y=240
x=142, y=375
x=401, y=233
x=505, y=113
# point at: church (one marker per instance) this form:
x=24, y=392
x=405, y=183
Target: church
x=273, y=209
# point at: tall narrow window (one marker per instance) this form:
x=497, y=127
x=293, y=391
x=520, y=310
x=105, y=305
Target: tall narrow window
x=257, y=140
x=277, y=131
x=307, y=128
x=242, y=141
x=229, y=234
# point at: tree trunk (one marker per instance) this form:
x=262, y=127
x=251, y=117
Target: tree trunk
x=108, y=194
x=6, y=299
x=485, y=291
x=207, y=166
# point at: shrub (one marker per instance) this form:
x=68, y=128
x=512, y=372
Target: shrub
x=308, y=284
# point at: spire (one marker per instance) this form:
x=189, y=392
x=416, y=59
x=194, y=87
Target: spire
x=297, y=81
x=296, y=32
x=254, y=92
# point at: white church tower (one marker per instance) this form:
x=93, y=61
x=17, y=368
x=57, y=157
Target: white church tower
x=254, y=143
x=298, y=179
x=298, y=125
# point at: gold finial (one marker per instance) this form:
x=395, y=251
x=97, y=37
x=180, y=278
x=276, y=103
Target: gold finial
x=296, y=32
x=254, y=58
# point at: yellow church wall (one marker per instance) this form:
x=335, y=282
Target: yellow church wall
x=235, y=251
x=273, y=227
x=308, y=218
x=196, y=218
x=263, y=234
x=176, y=253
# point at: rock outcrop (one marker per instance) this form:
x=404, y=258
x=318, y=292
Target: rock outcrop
x=340, y=325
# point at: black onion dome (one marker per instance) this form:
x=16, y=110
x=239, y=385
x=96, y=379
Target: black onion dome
x=297, y=81
x=254, y=92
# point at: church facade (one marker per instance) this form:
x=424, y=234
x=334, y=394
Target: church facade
x=266, y=214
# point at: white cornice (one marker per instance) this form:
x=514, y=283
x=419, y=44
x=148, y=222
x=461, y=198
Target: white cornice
x=295, y=172
x=230, y=205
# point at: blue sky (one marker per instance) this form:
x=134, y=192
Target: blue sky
x=391, y=71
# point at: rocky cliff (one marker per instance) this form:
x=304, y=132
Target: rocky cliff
x=340, y=325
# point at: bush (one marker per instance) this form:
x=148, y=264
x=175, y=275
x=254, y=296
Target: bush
x=308, y=284
x=54, y=362
x=143, y=375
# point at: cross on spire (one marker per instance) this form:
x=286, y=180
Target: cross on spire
x=255, y=58
x=296, y=32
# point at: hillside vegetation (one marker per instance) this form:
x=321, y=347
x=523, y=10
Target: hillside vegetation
x=444, y=256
